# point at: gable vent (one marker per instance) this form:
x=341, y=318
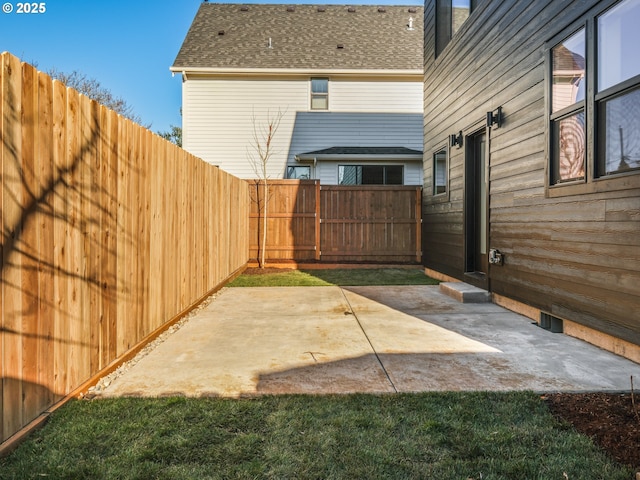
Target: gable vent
x=351, y=10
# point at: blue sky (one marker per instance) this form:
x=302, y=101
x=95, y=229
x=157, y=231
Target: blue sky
x=127, y=45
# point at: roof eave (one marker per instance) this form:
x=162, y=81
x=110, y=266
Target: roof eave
x=357, y=157
x=294, y=71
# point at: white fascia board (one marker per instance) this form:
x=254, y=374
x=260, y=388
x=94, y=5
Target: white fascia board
x=294, y=71
x=359, y=157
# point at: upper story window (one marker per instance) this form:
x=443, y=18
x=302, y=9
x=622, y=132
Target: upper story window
x=567, y=98
x=450, y=15
x=595, y=129
x=319, y=94
x=618, y=89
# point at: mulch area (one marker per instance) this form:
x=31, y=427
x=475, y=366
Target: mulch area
x=610, y=419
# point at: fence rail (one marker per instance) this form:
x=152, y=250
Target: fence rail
x=309, y=222
x=108, y=232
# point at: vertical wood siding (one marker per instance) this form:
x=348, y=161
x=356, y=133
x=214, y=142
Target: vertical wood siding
x=370, y=223
x=310, y=222
x=292, y=220
x=574, y=256
x=108, y=232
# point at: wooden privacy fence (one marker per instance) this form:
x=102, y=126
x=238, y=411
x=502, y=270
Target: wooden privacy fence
x=309, y=222
x=108, y=232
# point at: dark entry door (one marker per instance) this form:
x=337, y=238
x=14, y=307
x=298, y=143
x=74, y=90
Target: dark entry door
x=476, y=221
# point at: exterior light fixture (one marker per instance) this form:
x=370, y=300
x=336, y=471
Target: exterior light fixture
x=494, y=118
x=455, y=140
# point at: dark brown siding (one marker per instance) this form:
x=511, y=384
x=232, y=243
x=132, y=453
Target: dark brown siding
x=575, y=255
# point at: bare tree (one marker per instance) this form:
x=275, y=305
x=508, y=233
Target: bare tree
x=93, y=89
x=260, y=152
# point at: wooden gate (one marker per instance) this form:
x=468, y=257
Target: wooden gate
x=309, y=222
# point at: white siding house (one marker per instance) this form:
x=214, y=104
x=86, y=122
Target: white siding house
x=239, y=70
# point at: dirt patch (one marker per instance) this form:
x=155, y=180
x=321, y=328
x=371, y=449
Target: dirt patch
x=611, y=420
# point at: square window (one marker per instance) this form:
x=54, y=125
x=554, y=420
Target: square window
x=372, y=175
x=349, y=175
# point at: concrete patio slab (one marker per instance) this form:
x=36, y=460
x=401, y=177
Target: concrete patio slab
x=272, y=340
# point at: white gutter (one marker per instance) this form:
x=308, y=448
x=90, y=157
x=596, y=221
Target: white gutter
x=354, y=157
x=294, y=71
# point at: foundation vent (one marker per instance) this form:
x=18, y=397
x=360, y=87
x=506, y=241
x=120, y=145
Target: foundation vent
x=551, y=322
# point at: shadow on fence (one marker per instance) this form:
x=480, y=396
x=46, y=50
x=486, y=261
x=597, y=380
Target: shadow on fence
x=108, y=232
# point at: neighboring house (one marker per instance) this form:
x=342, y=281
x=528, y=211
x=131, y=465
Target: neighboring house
x=347, y=79
x=542, y=205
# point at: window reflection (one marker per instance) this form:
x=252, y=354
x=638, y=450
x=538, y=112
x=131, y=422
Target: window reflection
x=370, y=175
x=568, y=72
x=570, y=134
x=300, y=173
x=618, y=41
x=620, y=137
x=319, y=93
x=460, y=10
x=440, y=172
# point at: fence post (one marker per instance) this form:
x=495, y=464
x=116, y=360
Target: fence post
x=419, y=224
x=317, y=224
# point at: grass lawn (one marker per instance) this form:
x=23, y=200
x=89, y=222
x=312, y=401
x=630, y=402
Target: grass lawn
x=428, y=435
x=340, y=276
x=461, y=436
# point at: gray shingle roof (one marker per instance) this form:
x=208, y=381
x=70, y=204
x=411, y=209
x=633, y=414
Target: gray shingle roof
x=373, y=151
x=236, y=36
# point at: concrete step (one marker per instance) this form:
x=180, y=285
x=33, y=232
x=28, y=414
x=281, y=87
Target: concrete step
x=465, y=293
